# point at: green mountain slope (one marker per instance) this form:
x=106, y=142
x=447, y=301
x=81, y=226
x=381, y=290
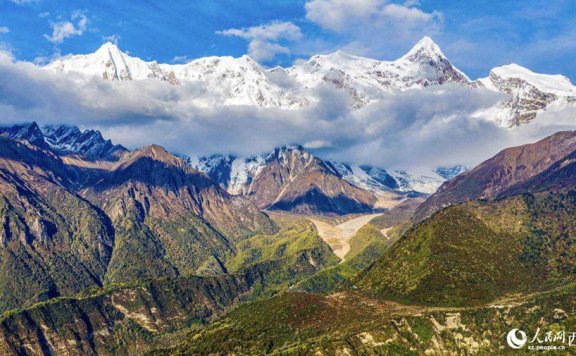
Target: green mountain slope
x=52, y=242
x=118, y=319
x=284, y=258
x=68, y=227
x=352, y=324
x=478, y=251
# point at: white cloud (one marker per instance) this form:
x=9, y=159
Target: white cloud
x=264, y=51
x=343, y=15
x=273, y=31
x=66, y=29
x=339, y=15
x=24, y=2
x=374, y=27
x=412, y=129
x=4, y=29
x=316, y=144
x=412, y=3
x=411, y=14
x=264, y=40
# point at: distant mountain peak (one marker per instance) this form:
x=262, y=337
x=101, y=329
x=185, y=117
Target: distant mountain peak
x=341, y=54
x=231, y=81
x=425, y=48
x=553, y=83
x=108, y=46
x=157, y=153
x=530, y=93
x=66, y=140
x=248, y=59
x=28, y=131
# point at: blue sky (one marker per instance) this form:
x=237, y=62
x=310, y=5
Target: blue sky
x=476, y=35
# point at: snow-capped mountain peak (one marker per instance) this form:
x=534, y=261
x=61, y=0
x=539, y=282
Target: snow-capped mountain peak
x=425, y=64
x=242, y=81
x=109, y=63
x=107, y=48
x=339, y=56
x=557, y=84
x=364, y=79
x=529, y=93
x=229, y=81
x=425, y=48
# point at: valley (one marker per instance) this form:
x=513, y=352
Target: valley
x=271, y=245
x=338, y=236
x=139, y=252
x=107, y=251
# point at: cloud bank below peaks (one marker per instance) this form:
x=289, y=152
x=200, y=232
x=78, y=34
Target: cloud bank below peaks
x=413, y=129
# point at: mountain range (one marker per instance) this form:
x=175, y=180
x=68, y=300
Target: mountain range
x=289, y=178
x=114, y=251
x=295, y=172
x=242, y=81
x=235, y=174
x=109, y=250
x=66, y=140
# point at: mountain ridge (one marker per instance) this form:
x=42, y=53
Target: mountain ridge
x=242, y=81
x=371, y=187
x=66, y=140
x=505, y=226
x=509, y=168
x=236, y=174
x=150, y=215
